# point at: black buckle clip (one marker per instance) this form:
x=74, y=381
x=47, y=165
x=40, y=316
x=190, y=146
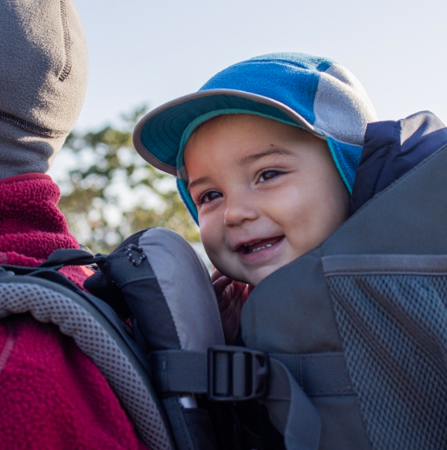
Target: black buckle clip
x=237, y=374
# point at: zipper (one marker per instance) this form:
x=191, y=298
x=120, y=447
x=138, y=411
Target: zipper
x=67, y=66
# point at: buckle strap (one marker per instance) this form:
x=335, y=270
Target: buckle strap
x=224, y=373
x=237, y=373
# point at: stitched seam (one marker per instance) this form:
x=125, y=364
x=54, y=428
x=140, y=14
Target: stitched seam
x=67, y=66
x=390, y=146
x=8, y=345
x=30, y=127
x=348, y=392
x=167, y=305
x=373, y=190
x=286, y=62
x=409, y=272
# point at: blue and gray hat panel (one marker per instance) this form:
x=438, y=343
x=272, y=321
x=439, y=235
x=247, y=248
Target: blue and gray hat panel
x=302, y=90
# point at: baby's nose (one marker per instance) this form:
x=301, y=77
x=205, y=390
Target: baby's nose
x=238, y=209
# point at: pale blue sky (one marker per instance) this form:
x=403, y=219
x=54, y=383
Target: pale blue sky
x=147, y=51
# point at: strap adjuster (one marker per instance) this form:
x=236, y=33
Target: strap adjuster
x=237, y=373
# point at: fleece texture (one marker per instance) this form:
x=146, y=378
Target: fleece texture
x=43, y=80
x=31, y=225
x=52, y=395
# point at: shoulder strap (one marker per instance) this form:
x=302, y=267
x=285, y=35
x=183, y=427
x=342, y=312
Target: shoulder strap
x=99, y=333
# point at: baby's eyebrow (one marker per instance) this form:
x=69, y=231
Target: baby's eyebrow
x=243, y=162
x=274, y=151
x=200, y=180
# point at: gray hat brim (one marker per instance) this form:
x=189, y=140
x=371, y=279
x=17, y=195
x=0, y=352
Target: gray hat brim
x=158, y=134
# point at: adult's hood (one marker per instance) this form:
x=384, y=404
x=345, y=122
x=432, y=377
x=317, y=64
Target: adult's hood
x=43, y=79
x=393, y=148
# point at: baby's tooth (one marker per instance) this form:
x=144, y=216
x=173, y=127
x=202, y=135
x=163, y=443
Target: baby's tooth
x=258, y=248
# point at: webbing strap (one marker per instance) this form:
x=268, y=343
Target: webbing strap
x=319, y=374
x=296, y=417
x=180, y=371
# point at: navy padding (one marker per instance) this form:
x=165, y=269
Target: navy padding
x=393, y=148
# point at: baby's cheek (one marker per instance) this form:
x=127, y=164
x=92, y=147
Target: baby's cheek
x=212, y=234
x=217, y=260
x=220, y=259
x=210, y=242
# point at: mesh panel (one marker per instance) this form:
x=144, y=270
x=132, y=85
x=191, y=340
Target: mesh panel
x=47, y=305
x=394, y=334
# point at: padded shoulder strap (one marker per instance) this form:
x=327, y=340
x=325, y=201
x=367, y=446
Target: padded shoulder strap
x=100, y=335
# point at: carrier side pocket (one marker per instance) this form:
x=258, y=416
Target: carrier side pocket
x=391, y=311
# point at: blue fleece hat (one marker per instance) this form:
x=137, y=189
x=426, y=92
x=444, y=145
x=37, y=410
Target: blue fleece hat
x=313, y=93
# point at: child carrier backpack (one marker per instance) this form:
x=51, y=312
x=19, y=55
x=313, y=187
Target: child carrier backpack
x=345, y=347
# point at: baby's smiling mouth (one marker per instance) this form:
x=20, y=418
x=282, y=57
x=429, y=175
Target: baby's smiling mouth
x=259, y=245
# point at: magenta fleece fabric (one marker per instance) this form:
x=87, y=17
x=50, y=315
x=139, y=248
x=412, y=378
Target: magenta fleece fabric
x=52, y=395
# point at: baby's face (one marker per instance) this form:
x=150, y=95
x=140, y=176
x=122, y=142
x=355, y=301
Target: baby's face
x=266, y=193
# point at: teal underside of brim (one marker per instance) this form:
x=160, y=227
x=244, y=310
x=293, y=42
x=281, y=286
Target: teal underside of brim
x=161, y=135
x=210, y=115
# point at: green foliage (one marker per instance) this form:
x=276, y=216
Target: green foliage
x=112, y=192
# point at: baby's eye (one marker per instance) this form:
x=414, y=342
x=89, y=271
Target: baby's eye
x=268, y=175
x=209, y=196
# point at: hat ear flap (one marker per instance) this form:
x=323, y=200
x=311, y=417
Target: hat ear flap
x=187, y=200
x=346, y=158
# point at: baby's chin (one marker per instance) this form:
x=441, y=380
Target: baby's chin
x=252, y=279
x=231, y=274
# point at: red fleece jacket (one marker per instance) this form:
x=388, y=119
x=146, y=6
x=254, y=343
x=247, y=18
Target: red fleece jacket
x=52, y=396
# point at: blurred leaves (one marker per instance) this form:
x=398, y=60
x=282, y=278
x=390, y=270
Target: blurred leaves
x=111, y=192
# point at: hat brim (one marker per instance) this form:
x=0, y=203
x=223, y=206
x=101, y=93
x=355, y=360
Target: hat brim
x=158, y=134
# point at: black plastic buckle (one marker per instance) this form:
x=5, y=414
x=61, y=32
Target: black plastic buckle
x=237, y=374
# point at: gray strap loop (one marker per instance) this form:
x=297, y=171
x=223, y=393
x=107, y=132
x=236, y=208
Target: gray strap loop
x=295, y=416
x=319, y=374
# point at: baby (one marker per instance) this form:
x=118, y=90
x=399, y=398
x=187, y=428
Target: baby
x=265, y=155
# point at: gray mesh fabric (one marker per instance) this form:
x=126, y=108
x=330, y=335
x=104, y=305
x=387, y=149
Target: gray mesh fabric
x=394, y=333
x=73, y=320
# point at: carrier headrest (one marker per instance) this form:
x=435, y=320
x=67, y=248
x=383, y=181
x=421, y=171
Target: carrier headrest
x=167, y=288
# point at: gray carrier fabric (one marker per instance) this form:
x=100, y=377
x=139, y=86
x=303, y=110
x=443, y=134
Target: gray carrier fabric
x=97, y=338
x=182, y=314
x=376, y=290
x=187, y=290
